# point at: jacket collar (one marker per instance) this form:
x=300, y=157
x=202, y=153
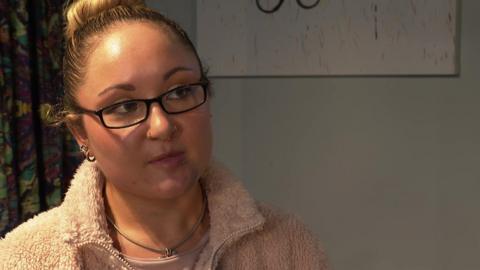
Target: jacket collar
x=232, y=211
x=83, y=208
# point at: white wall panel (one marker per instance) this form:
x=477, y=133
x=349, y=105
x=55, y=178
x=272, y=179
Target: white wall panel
x=349, y=37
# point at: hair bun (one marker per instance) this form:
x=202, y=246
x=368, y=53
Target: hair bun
x=80, y=11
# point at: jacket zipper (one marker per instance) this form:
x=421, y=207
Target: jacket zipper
x=109, y=250
x=230, y=238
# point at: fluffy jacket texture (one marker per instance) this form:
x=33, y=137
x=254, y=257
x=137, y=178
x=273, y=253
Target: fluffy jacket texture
x=243, y=233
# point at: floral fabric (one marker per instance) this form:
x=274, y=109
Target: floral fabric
x=34, y=158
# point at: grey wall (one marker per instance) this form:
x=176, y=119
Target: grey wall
x=383, y=169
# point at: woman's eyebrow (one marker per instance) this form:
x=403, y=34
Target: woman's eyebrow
x=130, y=87
x=122, y=86
x=174, y=70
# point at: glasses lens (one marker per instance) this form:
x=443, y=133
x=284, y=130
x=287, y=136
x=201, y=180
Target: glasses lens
x=124, y=114
x=184, y=98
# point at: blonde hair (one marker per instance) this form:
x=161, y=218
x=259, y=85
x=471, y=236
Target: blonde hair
x=79, y=12
x=86, y=21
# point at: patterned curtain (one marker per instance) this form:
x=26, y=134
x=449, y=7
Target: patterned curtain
x=36, y=160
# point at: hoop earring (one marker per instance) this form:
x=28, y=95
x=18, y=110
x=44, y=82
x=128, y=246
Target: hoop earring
x=87, y=153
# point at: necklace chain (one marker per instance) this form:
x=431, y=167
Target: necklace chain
x=166, y=252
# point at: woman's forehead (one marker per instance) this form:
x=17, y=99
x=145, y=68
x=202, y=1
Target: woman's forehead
x=135, y=36
x=139, y=46
x=136, y=54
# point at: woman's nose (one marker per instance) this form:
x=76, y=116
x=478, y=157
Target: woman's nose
x=160, y=125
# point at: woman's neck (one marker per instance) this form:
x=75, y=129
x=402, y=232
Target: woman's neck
x=161, y=223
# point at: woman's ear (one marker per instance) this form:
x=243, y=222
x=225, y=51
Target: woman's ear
x=75, y=125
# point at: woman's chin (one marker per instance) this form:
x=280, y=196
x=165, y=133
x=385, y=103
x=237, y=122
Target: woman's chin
x=172, y=186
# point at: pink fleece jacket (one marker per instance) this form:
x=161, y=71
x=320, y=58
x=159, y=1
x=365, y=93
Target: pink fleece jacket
x=243, y=233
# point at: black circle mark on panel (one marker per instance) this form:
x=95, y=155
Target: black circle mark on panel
x=300, y=3
x=273, y=10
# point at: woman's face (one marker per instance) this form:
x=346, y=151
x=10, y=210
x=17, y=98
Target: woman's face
x=140, y=61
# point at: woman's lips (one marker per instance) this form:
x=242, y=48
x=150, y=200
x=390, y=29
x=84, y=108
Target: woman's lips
x=169, y=160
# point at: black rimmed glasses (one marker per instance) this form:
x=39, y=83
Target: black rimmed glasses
x=127, y=113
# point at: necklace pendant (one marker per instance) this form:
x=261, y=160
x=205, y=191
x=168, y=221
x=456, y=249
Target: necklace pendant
x=165, y=252
x=169, y=252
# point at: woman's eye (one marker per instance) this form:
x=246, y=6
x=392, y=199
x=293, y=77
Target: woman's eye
x=123, y=108
x=180, y=93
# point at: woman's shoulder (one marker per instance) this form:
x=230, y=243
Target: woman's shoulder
x=288, y=234
x=35, y=237
x=283, y=222
x=35, y=227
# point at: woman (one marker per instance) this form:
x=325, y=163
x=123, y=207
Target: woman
x=148, y=195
